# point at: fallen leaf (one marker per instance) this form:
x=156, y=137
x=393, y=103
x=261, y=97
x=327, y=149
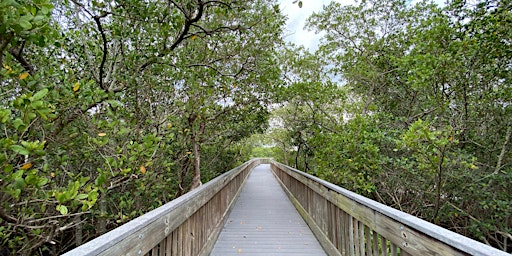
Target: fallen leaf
x=142, y=169
x=76, y=87
x=24, y=75
x=26, y=166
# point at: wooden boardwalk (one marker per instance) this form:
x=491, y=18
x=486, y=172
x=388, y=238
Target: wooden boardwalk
x=264, y=222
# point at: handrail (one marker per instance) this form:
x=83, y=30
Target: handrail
x=349, y=224
x=188, y=225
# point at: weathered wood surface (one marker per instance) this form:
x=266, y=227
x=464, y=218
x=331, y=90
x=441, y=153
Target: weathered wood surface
x=188, y=225
x=356, y=225
x=264, y=222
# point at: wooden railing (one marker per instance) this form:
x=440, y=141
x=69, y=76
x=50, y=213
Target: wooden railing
x=188, y=225
x=346, y=223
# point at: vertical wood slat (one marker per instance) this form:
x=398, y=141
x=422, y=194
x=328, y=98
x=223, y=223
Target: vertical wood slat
x=339, y=229
x=357, y=248
x=368, y=240
x=376, y=243
x=168, y=245
x=174, y=243
x=350, y=225
x=394, y=251
x=384, y=244
x=361, y=238
x=347, y=233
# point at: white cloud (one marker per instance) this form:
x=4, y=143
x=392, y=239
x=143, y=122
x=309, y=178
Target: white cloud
x=297, y=19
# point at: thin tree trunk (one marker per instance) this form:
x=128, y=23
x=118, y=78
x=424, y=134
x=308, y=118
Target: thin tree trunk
x=196, y=148
x=102, y=229
x=196, y=180
x=78, y=231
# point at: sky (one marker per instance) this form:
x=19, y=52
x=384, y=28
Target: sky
x=297, y=19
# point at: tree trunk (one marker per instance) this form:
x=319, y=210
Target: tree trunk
x=196, y=151
x=78, y=231
x=102, y=225
x=196, y=180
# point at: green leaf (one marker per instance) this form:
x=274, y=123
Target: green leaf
x=93, y=196
x=39, y=18
x=18, y=124
x=24, y=22
x=5, y=115
x=62, y=209
x=62, y=197
x=37, y=104
x=8, y=168
x=81, y=196
x=19, y=183
x=20, y=150
x=42, y=182
x=39, y=95
x=31, y=179
x=102, y=178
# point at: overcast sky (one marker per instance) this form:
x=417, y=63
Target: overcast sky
x=297, y=19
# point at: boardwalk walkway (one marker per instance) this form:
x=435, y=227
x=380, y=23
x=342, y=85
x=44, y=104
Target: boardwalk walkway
x=264, y=222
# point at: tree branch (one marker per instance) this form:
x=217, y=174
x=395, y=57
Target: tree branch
x=183, y=33
x=503, y=150
x=105, y=51
x=7, y=218
x=17, y=54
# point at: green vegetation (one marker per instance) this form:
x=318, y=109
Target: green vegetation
x=112, y=108
x=109, y=109
x=421, y=118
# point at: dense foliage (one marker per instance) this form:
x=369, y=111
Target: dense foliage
x=109, y=107
x=421, y=118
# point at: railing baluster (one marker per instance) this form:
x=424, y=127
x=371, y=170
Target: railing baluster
x=394, y=251
x=357, y=248
x=384, y=244
x=361, y=238
x=339, y=230
x=376, y=243
x=368, y=242
x=168, y=245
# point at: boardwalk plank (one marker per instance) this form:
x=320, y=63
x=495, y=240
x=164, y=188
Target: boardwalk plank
x=264, y=222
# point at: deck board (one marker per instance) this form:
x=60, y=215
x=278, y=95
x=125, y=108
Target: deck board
x=264, y=222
